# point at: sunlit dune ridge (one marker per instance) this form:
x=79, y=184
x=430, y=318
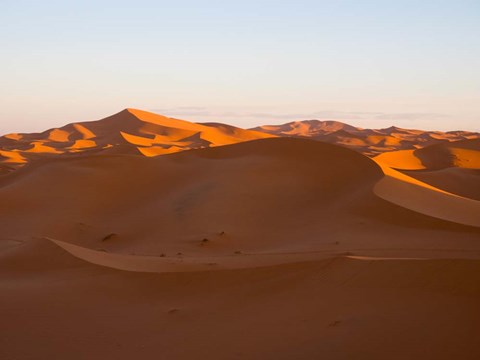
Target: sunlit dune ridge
x=417, y=169
x=138, y=132
x=133, y=131
x=370, y=142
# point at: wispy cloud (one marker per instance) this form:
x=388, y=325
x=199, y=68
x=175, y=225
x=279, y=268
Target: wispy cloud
x=222, y=115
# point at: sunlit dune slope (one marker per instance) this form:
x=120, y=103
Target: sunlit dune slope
x=370, y=142
x=422, y=197
x=133, y=131
x=453, y=167
x=143, y=133
x=277, y=195
x=462, y=154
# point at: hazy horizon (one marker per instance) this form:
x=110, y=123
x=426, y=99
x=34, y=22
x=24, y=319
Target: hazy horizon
x=371, y=65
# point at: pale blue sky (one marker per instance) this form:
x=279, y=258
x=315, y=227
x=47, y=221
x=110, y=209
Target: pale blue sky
x=369, y=63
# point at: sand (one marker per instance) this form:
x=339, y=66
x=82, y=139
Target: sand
x=371, y=142
x=243, y=247
x=129, y=131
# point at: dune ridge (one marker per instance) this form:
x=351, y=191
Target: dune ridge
x=452, y=167
x=129, y=131
x=228, y=201
x=370, y=142
x=274, y=248
x=328, y=308
x=419, y=196
x=144, y=133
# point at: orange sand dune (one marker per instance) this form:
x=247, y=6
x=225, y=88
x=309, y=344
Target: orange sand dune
x=330, y=308
x=58, y=135
x=156, y=135
x=401, y=159
x=83, y=144
x=158, y=150
x=85, y=133
x=451, y=167
x=250, y=197
x=40, y=147
x=273, y=248
x=13, y=136
x=129, y=128
x=415, y=195
x=11, y=157
x=463, y=154
x=157, y=264
x=370, y=142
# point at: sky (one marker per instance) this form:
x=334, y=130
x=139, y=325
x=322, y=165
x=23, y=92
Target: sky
x=373, y=64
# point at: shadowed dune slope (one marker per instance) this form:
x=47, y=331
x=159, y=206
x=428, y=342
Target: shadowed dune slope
x=326, y=309
x=309, y=263
x=463, y=154
x=416, y=195
x=459, y=181
x=276, y=195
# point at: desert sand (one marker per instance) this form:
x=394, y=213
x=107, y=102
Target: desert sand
x=142, y=236
x=370, y=142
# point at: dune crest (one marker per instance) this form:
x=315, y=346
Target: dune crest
x=162, y=264
x=139, y=132
x=126, y=131
x=453, y=167
x=370, y=142
x=421, y=197
x=134, y=255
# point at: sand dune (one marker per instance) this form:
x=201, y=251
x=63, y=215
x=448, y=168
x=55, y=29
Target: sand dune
x=330, y=308
x=459, y=181
x=144, y=133
x=463, y=154
x=180, y=263
x=135, y=131
x=252, y=197
x=416, y=195
x=452, y=167
x=116, y=243
x=370, y=142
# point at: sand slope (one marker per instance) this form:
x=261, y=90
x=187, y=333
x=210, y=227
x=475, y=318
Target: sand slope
x=266, y=249
x=143, y=133
x=461, y=154
x=129, y=131
x=336, y=308
x=271, y=195
x=416, y=195
x=452, y=167
x=459, y=181
x=370, y=142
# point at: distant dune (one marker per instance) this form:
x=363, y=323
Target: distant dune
x=130, y=131
x=281, y=242
x=370, y=142
x=139, y=132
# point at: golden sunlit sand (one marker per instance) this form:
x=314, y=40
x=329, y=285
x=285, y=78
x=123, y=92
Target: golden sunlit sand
x=145, y=236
